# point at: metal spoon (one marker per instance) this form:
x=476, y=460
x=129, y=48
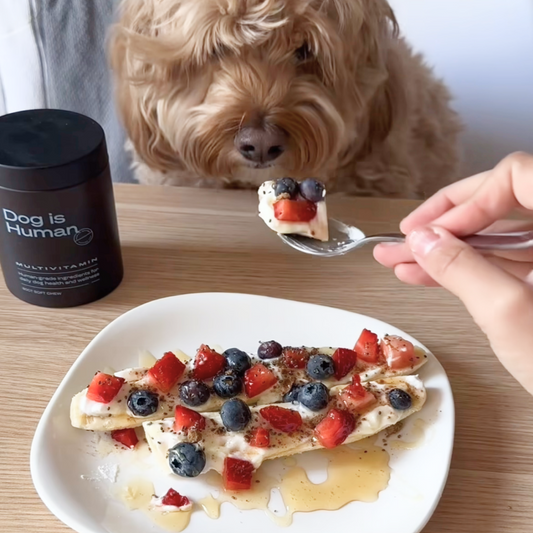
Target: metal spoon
x=344, y=239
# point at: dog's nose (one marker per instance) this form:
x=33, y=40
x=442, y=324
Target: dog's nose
x=261, y=145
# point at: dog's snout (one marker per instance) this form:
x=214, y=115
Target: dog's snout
x=261, y=145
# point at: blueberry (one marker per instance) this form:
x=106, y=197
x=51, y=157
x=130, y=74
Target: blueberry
x=269, y=350
x=237, y=360
x=235, y=414
x=194, y=393
x=228, y=384
x=400, y=400
x=320, y=367
x=312, y=190
x=292, y=395
x=314, y=396
x=286, y=186
x=143, y=403
x=186, y=459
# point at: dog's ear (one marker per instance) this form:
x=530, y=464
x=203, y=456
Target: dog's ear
x=388, y=106
x=367, y=26
x=141, y=83
x=365, y=23
x=378, y=23
x=384, y=108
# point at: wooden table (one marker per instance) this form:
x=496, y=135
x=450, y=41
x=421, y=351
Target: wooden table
x=181, y=241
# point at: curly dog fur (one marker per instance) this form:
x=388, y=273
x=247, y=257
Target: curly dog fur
x=359, y=110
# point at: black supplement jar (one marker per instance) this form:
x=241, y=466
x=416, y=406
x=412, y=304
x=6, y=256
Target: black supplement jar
x=59, y=242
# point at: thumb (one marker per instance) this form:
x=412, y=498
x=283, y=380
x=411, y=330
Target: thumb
x=485, y=289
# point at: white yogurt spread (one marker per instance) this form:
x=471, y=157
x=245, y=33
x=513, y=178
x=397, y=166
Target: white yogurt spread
x=156, y=504
x=137, y=377
x=219, y=445
x=119, y=404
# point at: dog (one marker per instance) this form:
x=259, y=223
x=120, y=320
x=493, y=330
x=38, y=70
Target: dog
x=231, y=93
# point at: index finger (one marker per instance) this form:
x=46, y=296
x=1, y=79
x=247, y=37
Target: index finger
x=508, y=186
x=441, y=202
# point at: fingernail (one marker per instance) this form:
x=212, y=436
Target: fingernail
x=390, y=244
x=422, y=240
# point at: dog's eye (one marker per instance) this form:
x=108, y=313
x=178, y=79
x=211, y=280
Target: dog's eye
x=303, y=53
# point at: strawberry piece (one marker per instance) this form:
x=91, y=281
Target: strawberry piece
x=398, y=352
x=237, y=474
x=295, y=357
x=104, y=387
x=260, y=438
x=344, y=361
x=282, y=419
x=356, y=386
x=166, y=372
x=258, y=379
x=367, y=347
x=294, y=210
x=175, y=499
x=185, y=419
x=334, y=429
x=127, y=437
x=208, y=363
x=355, y=397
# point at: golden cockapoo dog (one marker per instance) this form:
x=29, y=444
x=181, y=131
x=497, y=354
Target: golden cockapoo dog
x=230, y=93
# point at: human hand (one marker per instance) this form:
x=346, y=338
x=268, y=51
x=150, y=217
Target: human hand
x=496, y=288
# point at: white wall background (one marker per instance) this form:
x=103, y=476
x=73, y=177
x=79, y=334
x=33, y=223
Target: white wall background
x=21, y=86
x=483, y=49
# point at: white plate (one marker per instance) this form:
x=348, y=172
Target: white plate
x=61, y=455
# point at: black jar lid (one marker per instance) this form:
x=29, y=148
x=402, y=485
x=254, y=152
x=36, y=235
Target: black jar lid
x=48, y=149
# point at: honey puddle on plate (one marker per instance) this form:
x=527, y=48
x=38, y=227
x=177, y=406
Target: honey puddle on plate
x=211, y=506
x=354, y=473
x=357, y=472
x=137, y=496
x=418, y=435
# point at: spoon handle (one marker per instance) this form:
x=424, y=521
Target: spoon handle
x=510, y=241
x=385, y=237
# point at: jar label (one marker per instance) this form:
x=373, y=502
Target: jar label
x=61, y=248
x=39, y=227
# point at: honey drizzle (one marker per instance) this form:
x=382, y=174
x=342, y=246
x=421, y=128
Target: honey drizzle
x=257, y=497
x=210, y=506
x=290, y=461
x=356, y=472
x=418, y=432
x=137, y=495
